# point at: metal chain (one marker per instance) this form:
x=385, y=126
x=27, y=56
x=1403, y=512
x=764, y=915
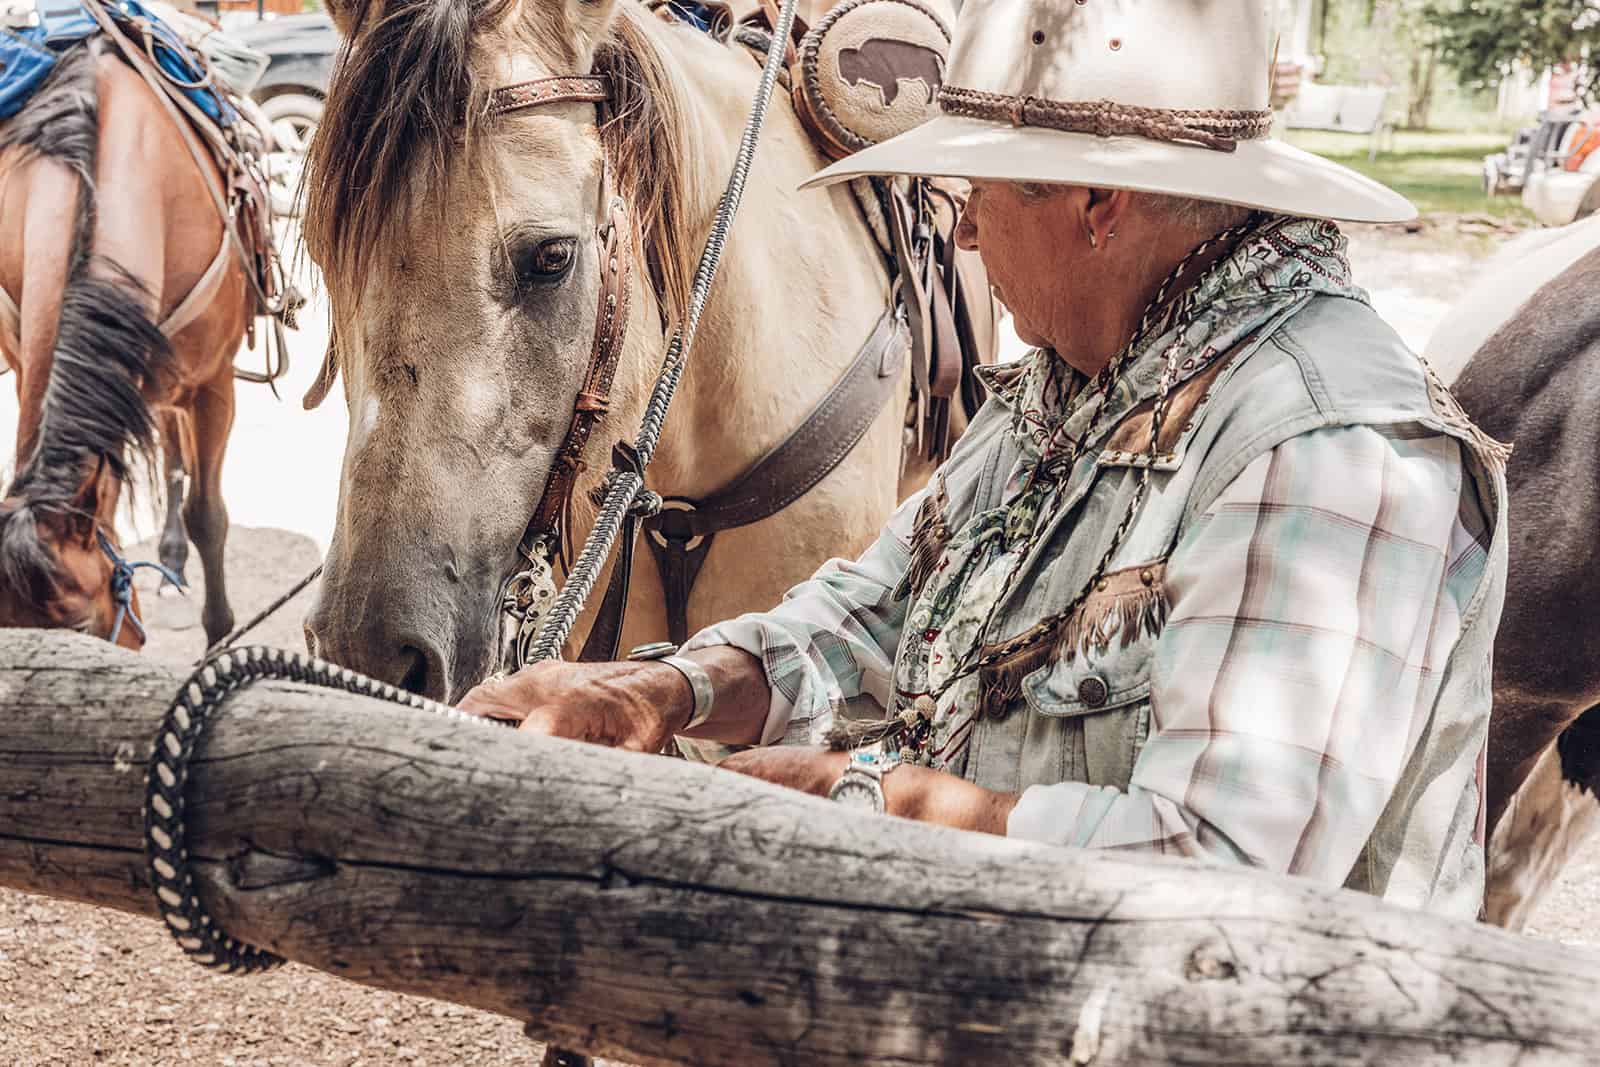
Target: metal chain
x=621, y=487
x=166, y=836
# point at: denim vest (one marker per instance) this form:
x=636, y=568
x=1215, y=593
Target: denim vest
x=1326, y=361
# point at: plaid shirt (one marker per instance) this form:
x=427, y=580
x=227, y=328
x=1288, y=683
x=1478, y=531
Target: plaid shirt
x=1313, y=606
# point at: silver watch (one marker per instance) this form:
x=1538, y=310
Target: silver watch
x=861, y=784
x=705, y=696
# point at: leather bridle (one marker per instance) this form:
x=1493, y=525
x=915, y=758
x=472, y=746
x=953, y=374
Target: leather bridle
x=679, y=531
x=611, y=317
x=549, y=531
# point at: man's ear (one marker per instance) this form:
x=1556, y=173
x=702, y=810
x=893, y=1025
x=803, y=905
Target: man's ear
x=1105, y=209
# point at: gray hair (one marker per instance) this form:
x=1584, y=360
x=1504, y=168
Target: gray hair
x=1198, y=216
x=1204, y=217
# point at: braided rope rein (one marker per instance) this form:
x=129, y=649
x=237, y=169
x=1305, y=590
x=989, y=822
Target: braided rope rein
x=166, y=837
x=622, y=487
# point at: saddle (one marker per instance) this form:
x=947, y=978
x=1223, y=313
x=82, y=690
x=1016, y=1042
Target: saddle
x=217, y=123
x=860, y=72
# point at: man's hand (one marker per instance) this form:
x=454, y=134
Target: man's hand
x=635, y=706
x=909, y=791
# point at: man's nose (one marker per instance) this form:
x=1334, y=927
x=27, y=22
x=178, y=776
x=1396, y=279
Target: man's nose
x=966, y=234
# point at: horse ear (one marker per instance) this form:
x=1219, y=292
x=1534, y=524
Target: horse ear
x=325, y=378
x=347, y=15
x=590, y=24
x=97, y=489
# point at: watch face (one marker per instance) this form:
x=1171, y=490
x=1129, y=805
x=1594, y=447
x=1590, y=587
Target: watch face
x=857, y=793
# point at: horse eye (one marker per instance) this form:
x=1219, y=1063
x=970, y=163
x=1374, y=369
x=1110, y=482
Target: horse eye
x=547, y=261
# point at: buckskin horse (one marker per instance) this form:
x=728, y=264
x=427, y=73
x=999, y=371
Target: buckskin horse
x=1524, y=350
x=125, y=302
x=489, y=183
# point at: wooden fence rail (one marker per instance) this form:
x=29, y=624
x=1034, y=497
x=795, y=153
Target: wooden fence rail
x=662, y=912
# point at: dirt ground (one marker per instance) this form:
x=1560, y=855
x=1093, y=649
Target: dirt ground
x=85, y=986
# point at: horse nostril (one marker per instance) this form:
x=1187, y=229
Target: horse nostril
x=415, y=679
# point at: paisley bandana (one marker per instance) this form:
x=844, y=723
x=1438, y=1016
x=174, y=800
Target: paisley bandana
x=1272, y=269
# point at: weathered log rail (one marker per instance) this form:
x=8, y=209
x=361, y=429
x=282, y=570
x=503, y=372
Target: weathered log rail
x=663, y=912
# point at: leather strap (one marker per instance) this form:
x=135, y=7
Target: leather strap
x=807, y=455
x=678, y=561
x=914, y=298
x=594, y=397
x=680, y=535
x=10, y=325
x=192, y=306
x=139, y=60
x=605, y=637
x=770, y=10
x=540, y=92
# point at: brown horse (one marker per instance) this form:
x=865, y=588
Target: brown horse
x=106, y=227
x=1529, y=328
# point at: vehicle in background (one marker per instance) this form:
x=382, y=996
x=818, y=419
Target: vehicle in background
x=301, y=49
x=1555, y=166
x=1505, y=172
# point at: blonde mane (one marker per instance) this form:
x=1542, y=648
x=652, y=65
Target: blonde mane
x=404, y=93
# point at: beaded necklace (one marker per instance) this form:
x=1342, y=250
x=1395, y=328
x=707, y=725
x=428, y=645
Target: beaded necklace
x=999, y=666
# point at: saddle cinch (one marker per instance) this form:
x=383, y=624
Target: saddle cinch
x=861, y=72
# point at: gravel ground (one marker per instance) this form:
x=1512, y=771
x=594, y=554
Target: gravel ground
x=86, y=986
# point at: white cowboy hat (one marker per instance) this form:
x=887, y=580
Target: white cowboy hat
x=1161, y=96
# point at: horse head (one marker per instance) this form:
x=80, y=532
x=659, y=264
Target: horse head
x=464, y=249
x=58, y=568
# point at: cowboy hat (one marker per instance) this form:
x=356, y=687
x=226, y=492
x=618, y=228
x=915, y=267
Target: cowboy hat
x=1160, y=96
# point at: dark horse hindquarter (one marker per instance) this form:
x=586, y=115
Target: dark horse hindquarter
x=1536, y=384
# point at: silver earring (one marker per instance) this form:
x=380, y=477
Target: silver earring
x=1092, y=242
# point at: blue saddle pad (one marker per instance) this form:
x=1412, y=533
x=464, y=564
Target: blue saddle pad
x=24, y=65
x=27, y=56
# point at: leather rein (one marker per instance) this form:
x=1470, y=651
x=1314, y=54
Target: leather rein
x=678, y=530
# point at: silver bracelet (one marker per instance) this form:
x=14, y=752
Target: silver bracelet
x=705, y=695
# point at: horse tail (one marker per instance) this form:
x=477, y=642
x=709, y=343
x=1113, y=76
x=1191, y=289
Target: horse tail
x=92, y=417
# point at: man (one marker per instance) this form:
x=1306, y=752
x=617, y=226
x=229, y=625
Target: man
x=1216, y=571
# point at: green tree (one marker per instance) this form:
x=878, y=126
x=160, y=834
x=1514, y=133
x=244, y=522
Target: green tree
x=1384, y=42
x=1482, y=39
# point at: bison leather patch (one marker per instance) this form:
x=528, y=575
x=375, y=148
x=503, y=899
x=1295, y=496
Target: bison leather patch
x=884, y=64
x=868, y=71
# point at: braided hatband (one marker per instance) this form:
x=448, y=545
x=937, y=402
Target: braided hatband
x=1215, y=128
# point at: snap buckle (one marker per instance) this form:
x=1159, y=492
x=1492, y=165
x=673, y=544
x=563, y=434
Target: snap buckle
x=1093, y=691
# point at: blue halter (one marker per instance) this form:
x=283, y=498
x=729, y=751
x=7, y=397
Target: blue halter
x=122, y=585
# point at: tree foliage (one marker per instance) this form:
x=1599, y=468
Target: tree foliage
x=1383, y=42
x=1482, y=39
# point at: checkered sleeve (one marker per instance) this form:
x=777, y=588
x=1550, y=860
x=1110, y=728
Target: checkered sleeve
x=1313, y=607
x=831, y=643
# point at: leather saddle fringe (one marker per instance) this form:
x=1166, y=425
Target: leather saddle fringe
x=929, y=535
x=1131, y=603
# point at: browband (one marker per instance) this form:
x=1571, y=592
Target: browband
x=564, y=89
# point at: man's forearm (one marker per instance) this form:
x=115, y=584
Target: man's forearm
x=743, y=699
